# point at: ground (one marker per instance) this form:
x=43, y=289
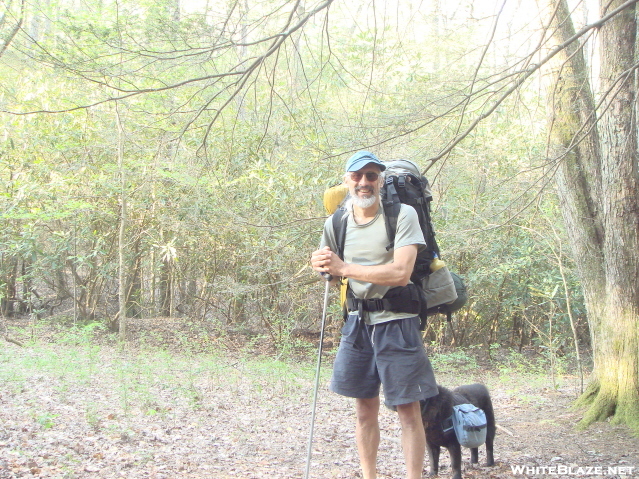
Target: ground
x=74, y=407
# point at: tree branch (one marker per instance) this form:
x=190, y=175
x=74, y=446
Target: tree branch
x=525, y=74
x=16, y=28
x=236, y=86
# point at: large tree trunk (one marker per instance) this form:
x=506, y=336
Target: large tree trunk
x=598, y=186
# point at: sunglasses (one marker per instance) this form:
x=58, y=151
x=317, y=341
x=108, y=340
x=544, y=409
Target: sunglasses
x=370, y=176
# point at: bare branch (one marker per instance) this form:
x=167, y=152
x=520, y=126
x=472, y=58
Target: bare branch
x=525, y=74
x=475, y=75
x=227, y=85
x=16, y=28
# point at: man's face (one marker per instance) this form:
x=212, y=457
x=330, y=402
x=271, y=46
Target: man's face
x=363, y=185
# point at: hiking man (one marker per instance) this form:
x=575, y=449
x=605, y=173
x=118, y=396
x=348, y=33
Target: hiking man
x=378, y=346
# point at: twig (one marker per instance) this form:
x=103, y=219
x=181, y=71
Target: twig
x=6, y=333
x=14, y=341
x=502, y=428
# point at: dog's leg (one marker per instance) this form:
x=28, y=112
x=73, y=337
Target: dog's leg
x=490, y=461
x=474, y=455
x=433, y=458
x=490, y=432
x=455, y=460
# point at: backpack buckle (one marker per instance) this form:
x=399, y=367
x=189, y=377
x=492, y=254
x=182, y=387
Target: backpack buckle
x=373, y=304
x=370, y=305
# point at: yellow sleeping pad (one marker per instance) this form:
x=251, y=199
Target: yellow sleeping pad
x=334, y=196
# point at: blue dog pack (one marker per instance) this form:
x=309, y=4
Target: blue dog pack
x=469, y=423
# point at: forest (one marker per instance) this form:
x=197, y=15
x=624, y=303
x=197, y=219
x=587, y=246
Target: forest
x=167, y=159
x=222, y=186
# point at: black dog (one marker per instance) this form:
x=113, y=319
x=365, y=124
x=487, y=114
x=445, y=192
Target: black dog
x=437, y=409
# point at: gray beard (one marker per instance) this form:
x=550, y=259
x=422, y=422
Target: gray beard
x=364, y=202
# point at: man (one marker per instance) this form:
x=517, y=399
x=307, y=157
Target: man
x=378, y=346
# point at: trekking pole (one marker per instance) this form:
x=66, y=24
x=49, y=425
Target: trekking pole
x=309, y=453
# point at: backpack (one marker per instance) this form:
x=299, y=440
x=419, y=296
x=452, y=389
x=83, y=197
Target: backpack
x=439, y=290
x=469, y=423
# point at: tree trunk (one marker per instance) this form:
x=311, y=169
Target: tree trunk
x=166, y=288
x=121, y=233
x=134, y=283
x=616, y=337
x=9, y=265
x=598, y=188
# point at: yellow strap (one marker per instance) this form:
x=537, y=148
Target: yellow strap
x=343, y=286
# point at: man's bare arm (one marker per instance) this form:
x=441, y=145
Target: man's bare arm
x=396, y=273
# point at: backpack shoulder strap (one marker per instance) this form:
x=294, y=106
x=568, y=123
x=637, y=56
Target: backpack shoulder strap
x=339, y=227
x=392, y=205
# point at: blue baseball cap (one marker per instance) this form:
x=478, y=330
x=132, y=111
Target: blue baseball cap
x=362, y=158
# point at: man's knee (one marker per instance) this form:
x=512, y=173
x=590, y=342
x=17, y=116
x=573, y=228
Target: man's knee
x=410, y=414
x=367, y=409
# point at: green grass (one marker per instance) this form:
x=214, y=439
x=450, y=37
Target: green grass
x=152, y=381
x=451, y=362
x=521, y=375
x=148, y=381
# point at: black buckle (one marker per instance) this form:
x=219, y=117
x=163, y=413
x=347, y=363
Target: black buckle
x=365, y=304
x=374, y=304
x=352, y=304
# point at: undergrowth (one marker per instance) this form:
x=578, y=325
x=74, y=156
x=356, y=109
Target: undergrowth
x=150, y=378
x=145, y=380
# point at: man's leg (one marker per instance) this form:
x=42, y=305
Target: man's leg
x=367, y=434
x=413, y=438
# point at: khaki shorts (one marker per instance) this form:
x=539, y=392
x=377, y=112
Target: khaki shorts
x=391, y=354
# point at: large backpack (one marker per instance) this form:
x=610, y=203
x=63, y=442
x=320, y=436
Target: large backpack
x=441, y=291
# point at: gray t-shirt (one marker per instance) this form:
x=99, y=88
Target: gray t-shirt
x=366, y=245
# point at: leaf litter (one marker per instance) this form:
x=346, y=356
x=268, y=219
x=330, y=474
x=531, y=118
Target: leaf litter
x=86, y=410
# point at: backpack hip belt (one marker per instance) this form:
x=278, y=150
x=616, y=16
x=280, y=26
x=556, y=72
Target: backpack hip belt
x=401, y=299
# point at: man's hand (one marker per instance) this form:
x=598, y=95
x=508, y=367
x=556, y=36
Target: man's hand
x=396, y=273
x=325, y=261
